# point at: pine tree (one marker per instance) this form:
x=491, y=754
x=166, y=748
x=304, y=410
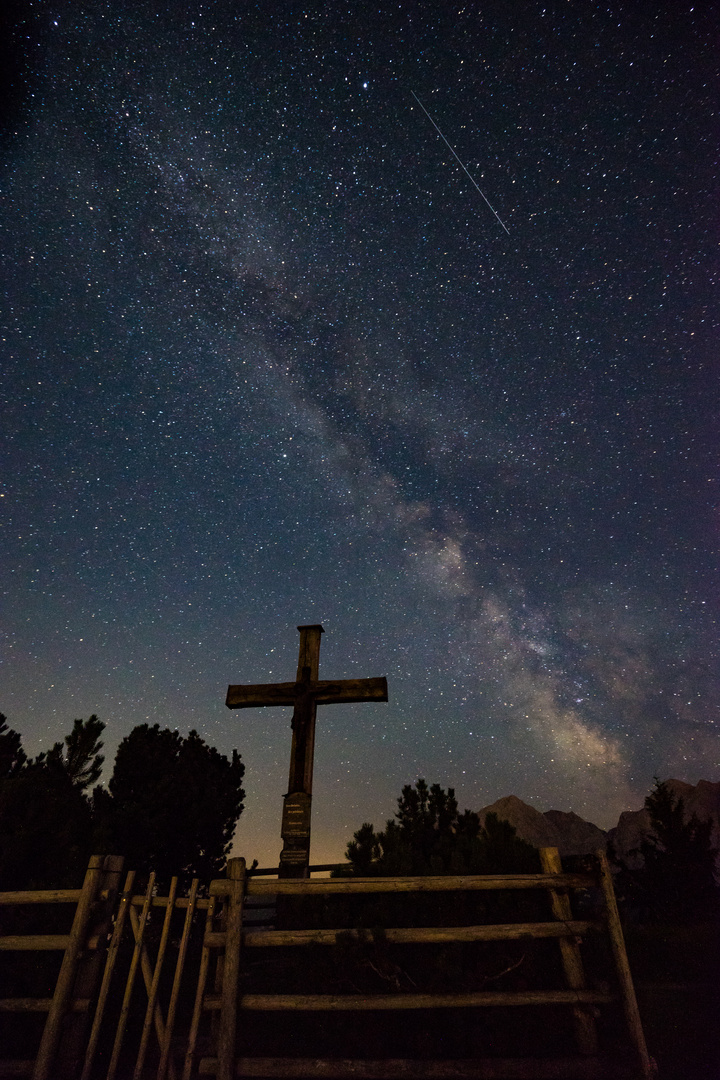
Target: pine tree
x=174, y=803
x=12, y=755
x=172, y=806
x=675, y=882
x=45, y=817
x=79, y=756
x=429, y=836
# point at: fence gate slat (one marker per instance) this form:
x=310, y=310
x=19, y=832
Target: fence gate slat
x=415, y=1069
x=82, y=972
x=147, y=975
x=622, y=967
x=177, y=979
x=70, y=1053
x=585, y=1027
x=220, y=963
x=107, y=975
x=231, y=970
x=122, y=1023
x=152, y=990
x=200, y=993
x=44, y=1061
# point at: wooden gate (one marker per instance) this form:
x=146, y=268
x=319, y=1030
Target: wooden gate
x=100, y=1023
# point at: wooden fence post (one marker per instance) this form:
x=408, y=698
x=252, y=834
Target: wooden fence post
x=585, y=1029
x=90, y=969
x=130, y=982
x=110, y=959
x=622, y=967
x=44, y=1067
x=152, y=990
x=165, y=1060
x=147, y=977
x=200, y=991
x=231, y=971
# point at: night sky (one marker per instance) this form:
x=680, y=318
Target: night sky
x=270, y=359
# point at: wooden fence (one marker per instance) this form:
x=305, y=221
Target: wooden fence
x=93, y=996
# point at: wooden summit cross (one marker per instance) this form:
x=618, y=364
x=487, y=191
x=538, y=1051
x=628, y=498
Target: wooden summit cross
x=305, y=694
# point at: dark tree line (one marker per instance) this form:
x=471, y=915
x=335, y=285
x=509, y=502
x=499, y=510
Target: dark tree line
x=171, y=805
x=671, y=879
x=430, y=836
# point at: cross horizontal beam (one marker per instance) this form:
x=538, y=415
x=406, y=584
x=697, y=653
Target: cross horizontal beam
x=324, y=692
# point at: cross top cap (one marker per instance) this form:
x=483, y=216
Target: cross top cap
x=312, y=626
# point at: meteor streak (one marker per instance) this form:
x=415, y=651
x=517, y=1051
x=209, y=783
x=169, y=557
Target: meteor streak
x=452, y=151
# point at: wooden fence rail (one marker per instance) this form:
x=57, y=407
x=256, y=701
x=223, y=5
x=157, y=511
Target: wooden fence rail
x=415, y=935
x=565, y=929
x=447, y=883
x=68, y=1010
x=90, y=977
x=404, y=1069
x=382, y=1002
x=41, y=896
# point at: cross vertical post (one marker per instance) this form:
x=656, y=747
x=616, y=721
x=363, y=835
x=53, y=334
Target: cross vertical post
x=305, y=694
x=297, y=804
x=304, y=714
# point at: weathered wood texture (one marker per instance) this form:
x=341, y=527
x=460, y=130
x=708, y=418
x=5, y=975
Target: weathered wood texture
x=272, y=871
x=380, y=1002
x=226, y=1004
x=166, y=1065
x=410, y=1069
x=147, y=974
x=264, y=939
x=123, y=908
x=585, y=1028
x=40, y=1005
x=40, y=896
x=199, y=994
x=305, y=694
x=325, y=692
x=39, y=942
x=89, y=895
x=88, y=978
x=152, y=1012
x=84, y=970
x=181, y=901
x=130, y=983
x=231, y=971
x=295, y=855
x=617, y=942
x=564, y=928
x=463, y=883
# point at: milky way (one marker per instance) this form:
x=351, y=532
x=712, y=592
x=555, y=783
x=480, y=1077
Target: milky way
x=270, y=360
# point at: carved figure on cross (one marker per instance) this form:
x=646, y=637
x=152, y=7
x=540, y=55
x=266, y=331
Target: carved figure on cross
x=305, y=694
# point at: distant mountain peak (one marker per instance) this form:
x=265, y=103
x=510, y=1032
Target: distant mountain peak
x=572, y=835
x=702, y=799
x=568, y=832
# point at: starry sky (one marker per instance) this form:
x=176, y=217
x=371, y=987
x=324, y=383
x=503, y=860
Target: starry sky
x=269, y=358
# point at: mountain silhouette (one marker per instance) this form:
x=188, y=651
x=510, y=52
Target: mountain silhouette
x=572, y=835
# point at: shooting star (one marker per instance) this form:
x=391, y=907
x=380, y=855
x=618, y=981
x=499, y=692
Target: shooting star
x=452, y=151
